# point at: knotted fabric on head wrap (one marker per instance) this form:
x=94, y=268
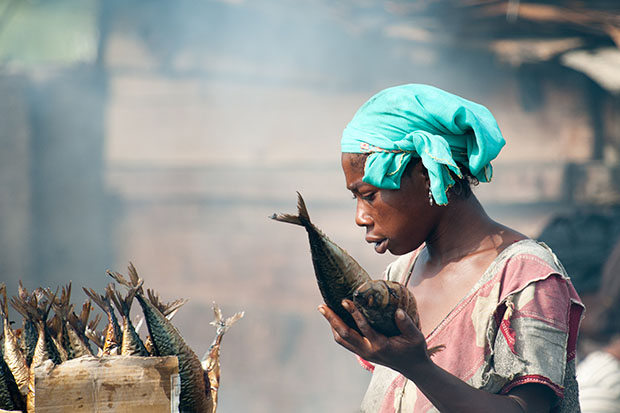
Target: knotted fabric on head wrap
x=423, y=121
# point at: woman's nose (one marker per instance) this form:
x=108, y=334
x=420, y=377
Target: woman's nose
x=362, y=218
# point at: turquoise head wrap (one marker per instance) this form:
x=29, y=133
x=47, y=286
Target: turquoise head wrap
x=423, y=121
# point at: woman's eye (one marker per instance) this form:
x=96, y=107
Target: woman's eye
x=368, y=197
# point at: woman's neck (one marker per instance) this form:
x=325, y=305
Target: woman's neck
x=465, y=229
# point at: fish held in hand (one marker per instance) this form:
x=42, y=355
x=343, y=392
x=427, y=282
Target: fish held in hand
x=340, y=277
x=378, y=300
x=337, y=273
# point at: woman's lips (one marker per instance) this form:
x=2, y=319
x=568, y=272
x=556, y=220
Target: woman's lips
x=381, y=246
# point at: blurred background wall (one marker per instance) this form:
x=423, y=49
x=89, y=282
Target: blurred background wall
x=166, y=132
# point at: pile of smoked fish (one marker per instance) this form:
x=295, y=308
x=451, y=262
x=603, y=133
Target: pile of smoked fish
x=67, y=335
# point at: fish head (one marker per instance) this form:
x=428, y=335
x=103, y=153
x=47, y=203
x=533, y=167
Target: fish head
x=372, y=294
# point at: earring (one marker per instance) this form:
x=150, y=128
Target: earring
x=430, y=197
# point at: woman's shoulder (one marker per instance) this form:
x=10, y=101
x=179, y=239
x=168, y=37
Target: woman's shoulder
x=529, y=265
x=531, y=253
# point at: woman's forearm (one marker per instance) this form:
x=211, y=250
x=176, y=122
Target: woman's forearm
x=450, y=394
x=407, y=354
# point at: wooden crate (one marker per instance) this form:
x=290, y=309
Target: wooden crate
x=107, y=384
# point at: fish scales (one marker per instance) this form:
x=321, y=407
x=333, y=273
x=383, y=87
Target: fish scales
x=30, y=335
x=336, y=279
x=45, y=349
x=168, y=310
x=338, y=275
x=10, y=395
x=113, y=332
x=132, y=344
x=36, y=307
x=66, y=342
x=64, y=308
x=29, y=340
x=167, y=341
x=78, y=347
x=75, y=341
x=54, y=326
x=81, y=322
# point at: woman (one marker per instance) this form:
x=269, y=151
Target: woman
x=500, y=303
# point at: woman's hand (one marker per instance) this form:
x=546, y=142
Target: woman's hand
x=407, y=354
x=401, y=353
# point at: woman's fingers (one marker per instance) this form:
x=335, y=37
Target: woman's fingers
x=405, y=324
x=343, y=334
x=360, y=319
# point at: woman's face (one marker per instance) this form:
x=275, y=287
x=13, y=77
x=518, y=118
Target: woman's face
x=398, y=220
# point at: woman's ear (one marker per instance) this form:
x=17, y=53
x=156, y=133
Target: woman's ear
x=419, y=169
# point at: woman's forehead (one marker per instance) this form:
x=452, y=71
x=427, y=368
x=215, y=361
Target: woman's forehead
x=353, y=168
x=355, y=160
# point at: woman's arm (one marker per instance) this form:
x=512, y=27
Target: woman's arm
x=407, y=354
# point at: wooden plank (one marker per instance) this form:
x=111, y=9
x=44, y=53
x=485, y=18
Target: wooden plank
x=107, y=384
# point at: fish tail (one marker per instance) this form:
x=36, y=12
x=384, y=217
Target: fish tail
x=119, y=302
x=97, y=299
x=127, y=301
x=136, y=281
x=85, y=313
x=134, y=285
x=91, y=333
x=61, y=305
x=113, y=331
x=42, y=303
x=22, y=291
x=302, y=218
x=170, y=309
x=65, y=295
x=131, y=342
x=119, y=278
x=92, y=324
x=291, y=219
x=76, y=333
x=21, y=307
x=222, y=326
x=302, y=210
x=110, y=290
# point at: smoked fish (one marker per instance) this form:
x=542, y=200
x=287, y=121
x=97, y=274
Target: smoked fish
x=12, y=352
x=167, y=341
x=339, y=276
